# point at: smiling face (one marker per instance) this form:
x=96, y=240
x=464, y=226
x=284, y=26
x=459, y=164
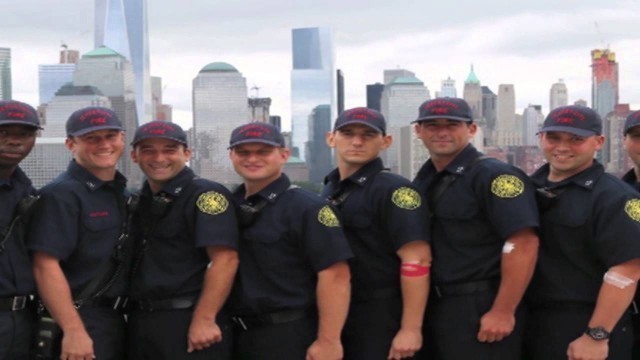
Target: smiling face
x=445, y=138
x=160, y=160
x=98, y=151
x=258, y=164
x=16, y=142
x=568, y=154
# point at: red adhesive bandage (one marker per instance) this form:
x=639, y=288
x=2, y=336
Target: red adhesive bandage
x=413, y=270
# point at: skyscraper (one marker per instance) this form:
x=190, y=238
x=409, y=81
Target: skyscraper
x=319, y=158
x=312, y=80
x=558, y=95
x=448, y=88
x=220, y=104
x=51, y=78
x=472, y=94
x=122, y=26
x=340, y=90
x=506, y=130
x=374, y=95
x=5, y=74
x=604, y=86
x=532, y=119
x=489, y=108
x=401, y=99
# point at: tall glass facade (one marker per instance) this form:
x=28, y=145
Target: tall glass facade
x=122, y=26
x=5, y=74
x=312, y=81
x=52, y=77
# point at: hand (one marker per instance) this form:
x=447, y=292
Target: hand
x=405, y=344
x=496, y=325
x=585, y=348
x=76, y=345
x=203, y=333
x=324, y=349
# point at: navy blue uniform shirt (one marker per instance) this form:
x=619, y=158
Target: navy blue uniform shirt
x=201, y=213
x=474, y=216
x=382, y=213
x=79, y=221
x=16, y=276
x=295, y=236
x=630, y=178
x=589, y=223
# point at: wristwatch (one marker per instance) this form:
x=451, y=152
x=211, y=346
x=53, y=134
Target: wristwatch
x=597, y=333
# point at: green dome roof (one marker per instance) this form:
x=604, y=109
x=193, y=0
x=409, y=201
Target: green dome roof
x=101, y=52
x=219, y=67
x=472, y=78
x=407, y=80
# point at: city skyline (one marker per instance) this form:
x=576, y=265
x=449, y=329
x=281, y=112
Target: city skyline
x=530, y=46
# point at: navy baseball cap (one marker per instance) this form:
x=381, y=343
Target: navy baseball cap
x=632, y=121
x=574, y=119
x=256, y=132
x=363, y=116
x=444, y=108
x=92, y=118
x=18, y=113
x=160, y=129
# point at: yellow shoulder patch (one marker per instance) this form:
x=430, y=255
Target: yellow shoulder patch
x=632, y=208
x=507, y=186
x=327, y=217
x=406, y=198
x=212, y=203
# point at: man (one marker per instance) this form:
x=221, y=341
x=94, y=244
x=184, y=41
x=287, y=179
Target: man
x=631, y=143
x=483, y=238
x=386, y=224
x=291, y=295
x=590, y=254
x=80, y=225
x=184, y=223
x=18, y=126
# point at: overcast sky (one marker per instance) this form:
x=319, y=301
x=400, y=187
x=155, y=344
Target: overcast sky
x=531, y=46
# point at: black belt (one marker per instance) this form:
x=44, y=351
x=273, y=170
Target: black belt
x=378, y=294
x=163, y=304
x=118, y=303
x=280, y=317
x=467, y=288
x=15, y=303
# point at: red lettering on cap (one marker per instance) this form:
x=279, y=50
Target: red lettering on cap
x=95, y=113
x=564, y=120
x=567, y=116
x=440, y=110
x=98, y=121
x=253, y=129
x=98, y=214
x=16, y=115
x=156, y=131
x=439, y=103
x=254, y=133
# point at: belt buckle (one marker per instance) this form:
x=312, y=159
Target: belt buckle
x=19, y=303
x=238, y=320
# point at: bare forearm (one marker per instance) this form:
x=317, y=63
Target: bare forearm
x=217, y=284
x=414, y=301
x=333, y=292
x=55, y=293
x=517, y=267
x=614, y=300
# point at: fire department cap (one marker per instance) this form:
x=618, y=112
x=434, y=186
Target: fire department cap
x=256, y=132
x=444, y=108
x=92, y=118
x=574, y=119
x=364, y=116
x=160, y=129
x=18, y=113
